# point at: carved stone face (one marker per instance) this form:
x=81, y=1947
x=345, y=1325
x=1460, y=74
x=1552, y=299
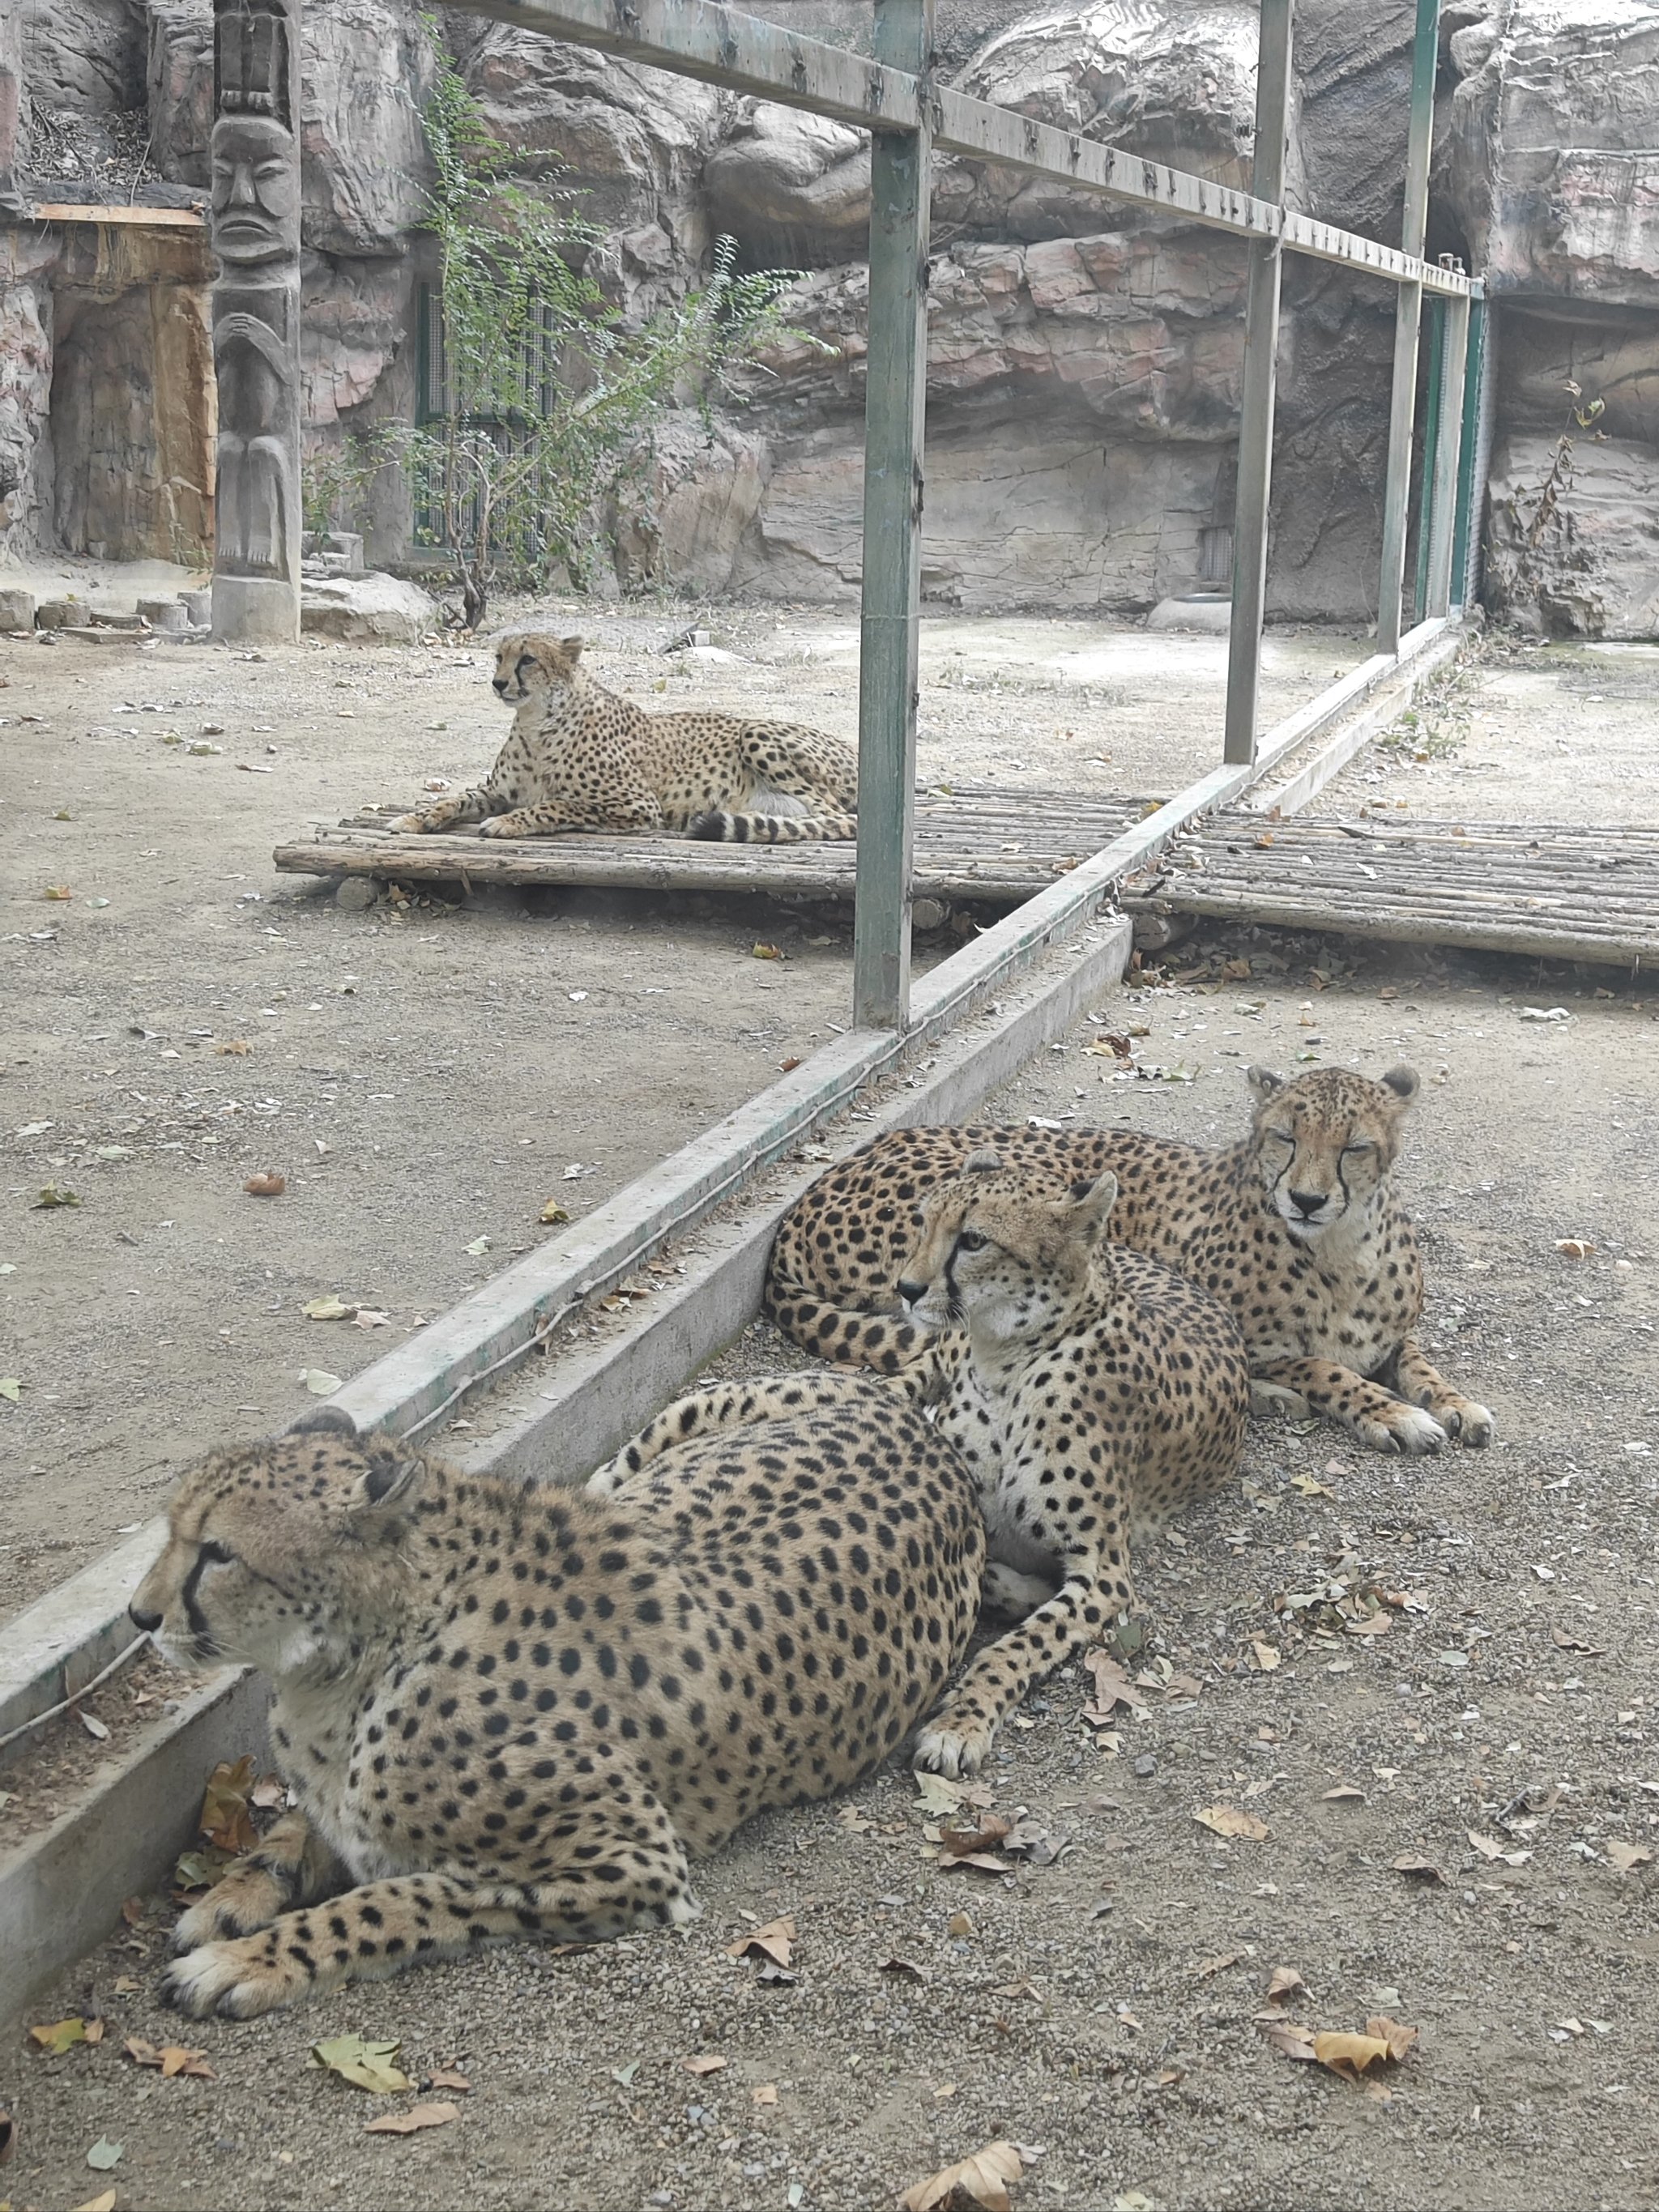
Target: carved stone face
x=256, y=190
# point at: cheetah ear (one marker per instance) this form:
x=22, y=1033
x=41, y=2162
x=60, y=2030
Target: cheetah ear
x=391, y=1471
x=1403, y=1082
x=1091, y=1208
x=985, y=1160
x=1264, y=1082
x=572, y=648
x=326, y=1421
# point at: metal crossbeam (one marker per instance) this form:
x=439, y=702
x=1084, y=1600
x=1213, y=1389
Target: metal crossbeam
x=692, y=37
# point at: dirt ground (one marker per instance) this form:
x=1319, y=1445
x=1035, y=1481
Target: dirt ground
x=1103, y=2008
x=184, y=1018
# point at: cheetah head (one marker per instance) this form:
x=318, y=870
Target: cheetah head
x=528, y=665
x=283, y=1555
x=1006, y=1252
x=1324, y=1144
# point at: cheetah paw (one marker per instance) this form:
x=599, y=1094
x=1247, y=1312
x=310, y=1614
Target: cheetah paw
x=239, y=1980
x=1408, y=1429
x=1470, y=1424
x=415, y=822
x=1006, y=1590
x=235, y=1908
x=952, y=1752
x=505, y=825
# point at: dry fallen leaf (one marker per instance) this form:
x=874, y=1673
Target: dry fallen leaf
x=766, y=2095
x=169, y=2059
x=1285, y=1986
x=1229, y=1821
x=366, y=2065
x=224, y=1817
x=269, y=1791
x=58, y=2036
x=104, y=2202
x=1399, y=2037
x=447, y=2078
x=1344, y=1793
x=1289, y=2040
x=704, y=2062
x=233, y=1048
x=552, y=1214
x=266, y=1186
x=765, y=952
x=1490, y=1848
x=1350, y=2054
x=417, y=2117
x=1419, y=1869
x=1112, y=1688
x=1206, y=1967
x=983, y=2180
x=328, y=1309
x=1574, y=1248
x=774, y=1941
x=1628, y=1856
x=1565, y=1640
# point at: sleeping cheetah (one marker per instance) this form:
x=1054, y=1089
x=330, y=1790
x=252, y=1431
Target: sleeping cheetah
x=514, y=1713
x=1296, y=1228
x=1091, y=1389
x=581, y=758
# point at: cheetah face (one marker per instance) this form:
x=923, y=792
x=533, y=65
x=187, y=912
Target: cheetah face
x=281, y=1554
x=1005, y=1252
x=1324, y=1144
x=527, y=664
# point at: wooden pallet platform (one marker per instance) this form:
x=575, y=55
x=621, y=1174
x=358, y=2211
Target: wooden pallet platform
x=999, y=846
x=1560, y=890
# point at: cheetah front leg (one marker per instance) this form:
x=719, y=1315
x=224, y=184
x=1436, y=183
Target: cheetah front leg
x=471, y=806
x=291, y=1865
x=1367, y=1410
x=708, y=1413
x=1416, y=1378
x=639, y=811
x=625, y=1874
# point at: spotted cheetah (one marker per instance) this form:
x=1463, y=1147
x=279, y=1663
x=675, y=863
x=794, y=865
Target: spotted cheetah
x=581, y=758
x=1091, y=1389
x=1296, y=1228
x=512, y=1712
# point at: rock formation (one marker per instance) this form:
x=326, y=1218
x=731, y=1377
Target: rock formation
x=1084, y=356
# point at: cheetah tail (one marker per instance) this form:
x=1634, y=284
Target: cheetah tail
x=721, y=828
x=851, y=1340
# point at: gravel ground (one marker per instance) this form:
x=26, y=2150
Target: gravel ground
x=1102, y=2007
x=185, y=1019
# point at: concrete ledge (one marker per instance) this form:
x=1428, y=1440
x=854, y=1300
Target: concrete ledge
x=62, y=1889
x=52, y=1650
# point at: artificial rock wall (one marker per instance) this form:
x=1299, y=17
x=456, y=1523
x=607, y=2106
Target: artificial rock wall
x=1083, y=359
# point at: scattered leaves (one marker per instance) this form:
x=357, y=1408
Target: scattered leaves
x=170, y=2059
x=366, y=2065
x=266, y=1186
x=1112, y=1688
x=225, y=1821
x=1574, y=1248
x=447, y=2078
x=1265, y=1655
x=1344, y=1793
x=1490, y=1848
x=766, y=2095
x=58, y=2036
x=1418, y=1869
x=54, y=1195
x=320, y=1381
x=552, y=1213
x=1565, y=1640
x=1229, y=1821
x=10, y=1389
x=1286, y=1987
x=57, y=891
x=1626, y=1857
x=103, y=2202
x=104, y=2154
x=775, y=1942
x=705, y=2062
x=328, y=1309
x=411, y=2121
x=978, y=2184
x=478, y=1247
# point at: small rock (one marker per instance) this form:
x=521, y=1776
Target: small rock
x=372, y=609
x=1146, y=1766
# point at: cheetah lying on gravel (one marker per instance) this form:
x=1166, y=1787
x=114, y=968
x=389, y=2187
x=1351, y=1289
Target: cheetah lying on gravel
x=1297, y=1228
x=515, y=1712
x=1091, y=1389
x=581, y=758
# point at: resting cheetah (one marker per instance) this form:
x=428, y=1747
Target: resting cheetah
x=1296, y=1228
x=1088, y=1388
x=514, y=1713
x=581, y=758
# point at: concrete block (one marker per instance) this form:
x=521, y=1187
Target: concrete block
x=16, y=608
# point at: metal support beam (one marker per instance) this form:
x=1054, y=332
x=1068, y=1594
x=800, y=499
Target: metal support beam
x=716, y=44
x=1408, y=312
x=1429, y=441
x=894, y=406
x=1448, y=454
x=1471, y=471
x=1255, y=429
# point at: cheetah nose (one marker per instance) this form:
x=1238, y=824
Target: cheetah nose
x=498, y=686
x=913, y=1293
x=149, y=1622
x=1307, y=1202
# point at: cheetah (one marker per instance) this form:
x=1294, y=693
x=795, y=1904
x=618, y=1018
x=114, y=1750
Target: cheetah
x=1296, y=1228
x=511, y=1712
x=1091, y=1389
x=579, y=758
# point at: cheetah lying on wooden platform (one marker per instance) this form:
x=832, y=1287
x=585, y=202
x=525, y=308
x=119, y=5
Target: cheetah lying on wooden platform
x=1296, y=1228
x=515, y=1712
x=581, y=758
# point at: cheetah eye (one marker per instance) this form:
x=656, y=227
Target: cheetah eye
x=525, y=660
x=972, y=1240
x=1358, y=1144
x=1281, y=1137
x=215, y=1555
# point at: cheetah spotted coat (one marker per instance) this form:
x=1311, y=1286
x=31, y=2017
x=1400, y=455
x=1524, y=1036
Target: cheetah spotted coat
x=581, y=758
x=514, y=1711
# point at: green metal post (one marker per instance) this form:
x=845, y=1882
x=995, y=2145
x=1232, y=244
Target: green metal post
x=1425, y=468
x=1256, y=428
x=1474, y=379
x=895, y=407
x=1454, y=356
x=1396, y=496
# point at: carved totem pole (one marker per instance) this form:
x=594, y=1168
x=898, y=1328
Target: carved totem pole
x=256, y=317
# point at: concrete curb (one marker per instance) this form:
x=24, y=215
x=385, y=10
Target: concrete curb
x=62, y=1889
